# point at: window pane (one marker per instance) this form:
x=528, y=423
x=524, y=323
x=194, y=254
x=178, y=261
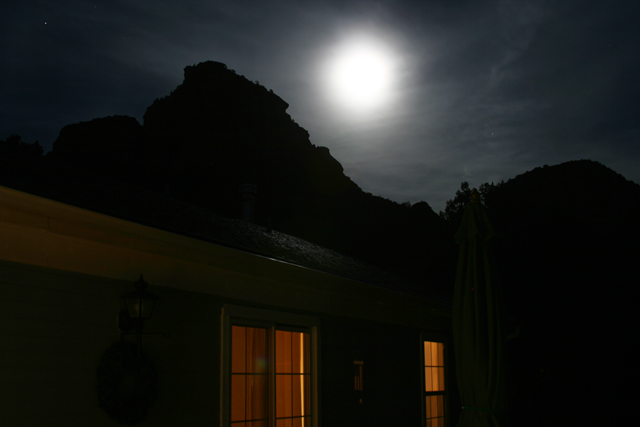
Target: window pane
x=256, y=350
x=301, y=422
x=435, y=376
x=434, y=379
x=434, y=382
x=256, y=406
x=427, y=353
x=440, y=405
x=435, y=406
x=238, y=349
x=300, y=356
x=431, y=407
x=297, y=353
x=293, y=386
x=440, y=354
x=283, y=352
x=248, y=378
x=283, y=395
x=434, y=366
x=440, y=379
x=434, y=354
x=238, y=383
x=267, y=369
x=301, y=395
x=297, y=395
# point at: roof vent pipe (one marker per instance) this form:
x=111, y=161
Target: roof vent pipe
x=248, y=199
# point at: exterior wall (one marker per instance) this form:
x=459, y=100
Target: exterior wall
x=51, y=337
x=57, y=325
x=63, y=270
x=391, y=373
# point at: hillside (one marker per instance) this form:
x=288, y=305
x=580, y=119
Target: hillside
x=217, y=130
x=566, y=252
x=572, y=223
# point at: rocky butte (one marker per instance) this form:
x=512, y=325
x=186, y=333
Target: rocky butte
x=216, y=131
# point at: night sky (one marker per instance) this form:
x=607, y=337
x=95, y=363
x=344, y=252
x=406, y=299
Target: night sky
x=451, y=91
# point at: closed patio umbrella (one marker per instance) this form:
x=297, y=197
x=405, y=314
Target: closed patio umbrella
x=477, y=326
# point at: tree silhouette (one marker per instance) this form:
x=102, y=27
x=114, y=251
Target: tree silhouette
x=15, y=147
x=454, y=208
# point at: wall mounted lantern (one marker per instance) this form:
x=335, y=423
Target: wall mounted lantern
x=140, y=304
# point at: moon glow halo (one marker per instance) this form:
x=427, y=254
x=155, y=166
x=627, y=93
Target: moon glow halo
x=361, y=76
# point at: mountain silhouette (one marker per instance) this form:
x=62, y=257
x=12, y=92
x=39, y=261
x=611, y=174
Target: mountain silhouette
x=106, y=147
x=575, y=221
x=217, y=131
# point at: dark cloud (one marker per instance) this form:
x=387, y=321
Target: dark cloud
x=485, y=89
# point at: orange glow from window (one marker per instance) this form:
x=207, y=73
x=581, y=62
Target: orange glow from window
x=292, y=379
x=433, y=366
x=434, y=383
x=250, y=373
x=248, y=376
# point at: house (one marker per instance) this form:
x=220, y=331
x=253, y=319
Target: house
x=252, y=328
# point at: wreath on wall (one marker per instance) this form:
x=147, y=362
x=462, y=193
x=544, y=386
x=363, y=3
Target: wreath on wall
x=126, y=383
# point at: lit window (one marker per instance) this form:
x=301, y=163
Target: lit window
x=293, y=379
x=434, y=384
x=270, y=379
x=249, y=376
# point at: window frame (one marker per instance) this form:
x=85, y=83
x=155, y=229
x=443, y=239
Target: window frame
x=438, y=338
x=261, y=318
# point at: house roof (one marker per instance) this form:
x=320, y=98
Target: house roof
x=166, y=213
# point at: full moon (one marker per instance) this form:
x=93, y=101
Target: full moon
x=361, y=76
